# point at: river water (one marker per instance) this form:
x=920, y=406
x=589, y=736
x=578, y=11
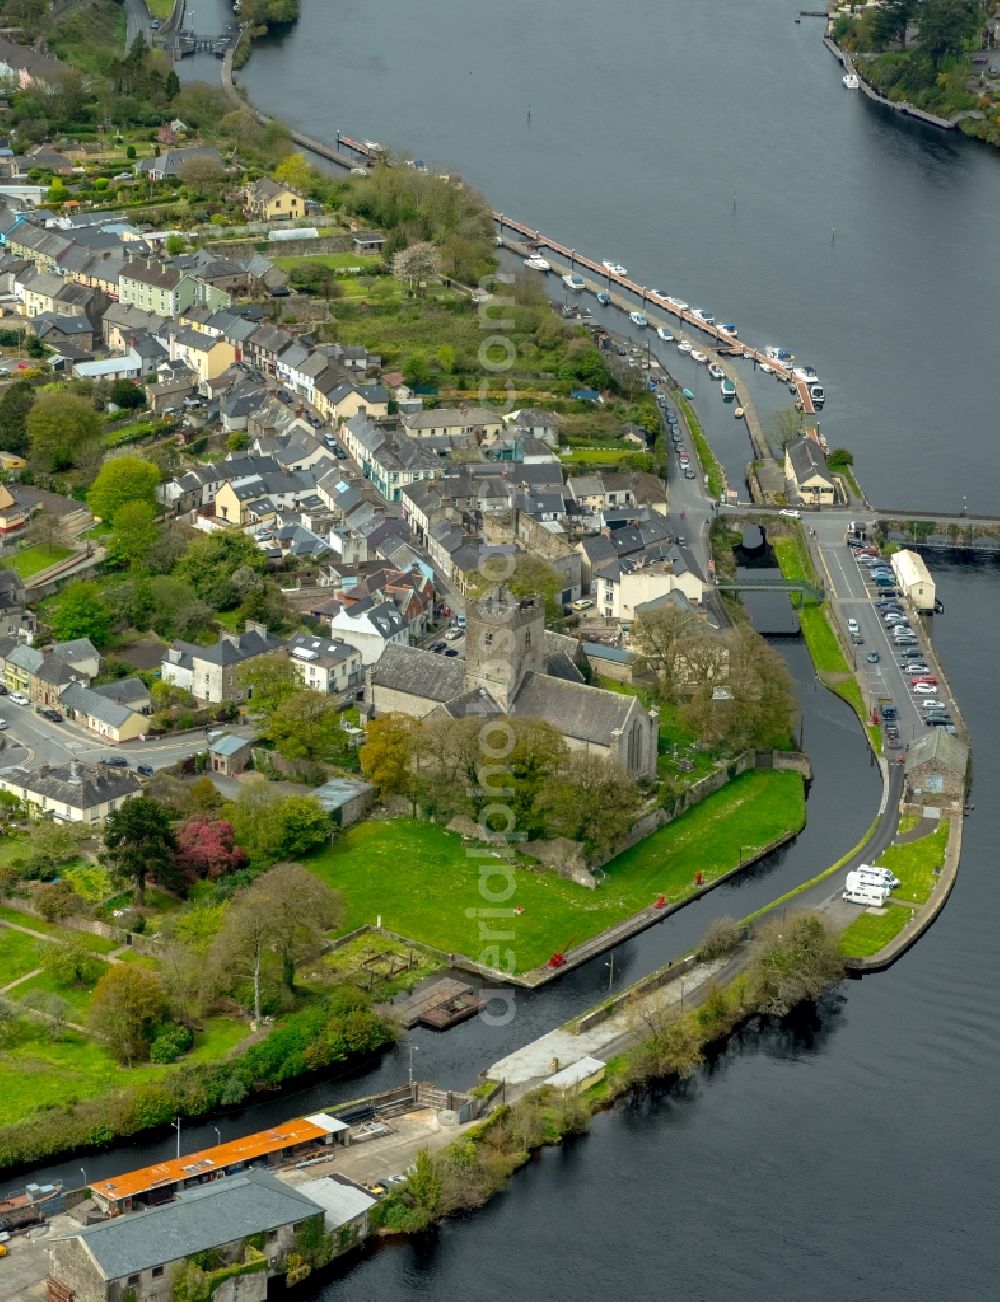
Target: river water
x=717, y=155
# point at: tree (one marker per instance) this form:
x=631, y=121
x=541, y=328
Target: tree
x=761, y=711
x=129, y=1003
x=271, y=826
x=300, y=908
x=591, y=799
x=133, y=536
x=206, y=848
x=797, y=959
x=120, y=482
x=945, y=25
x=659, y=637
x=420, y=261
x=202, y=173
x=785, y=425
x=294, y=171
x=54, y=1010
x=46, y=530
x=306, y=726
x=128, y=395
x=175, y=244
x=668, y=1046
x=53, y=844
x=56, y=900
x=71, y=963
x=62, y=429
x=81, y=612
x=15, y=404
x=270, y=680
x=209, y=562
x=138, y=844
x=387, y=754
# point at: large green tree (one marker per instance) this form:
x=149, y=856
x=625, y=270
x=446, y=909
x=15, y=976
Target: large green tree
x=133, y=535
x=271, y=826
x=945, y=25
x=270, y=680
x=306, y=726
x=15, y=405
x=81, y=612
x=63, y=429
x=139, y=843
x=128, y=1004
x=122, y=481
x=210, y=561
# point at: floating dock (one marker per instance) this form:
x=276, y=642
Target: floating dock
x=440, y=1004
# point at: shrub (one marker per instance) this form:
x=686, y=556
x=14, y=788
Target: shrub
x=723, y=936
x=170, y=1042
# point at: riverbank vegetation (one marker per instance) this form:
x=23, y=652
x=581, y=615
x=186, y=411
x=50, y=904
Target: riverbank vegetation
x=710, y=464
x=930, y=54
x=791, y=963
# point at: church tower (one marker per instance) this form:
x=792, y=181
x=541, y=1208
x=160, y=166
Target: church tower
x=504, y=638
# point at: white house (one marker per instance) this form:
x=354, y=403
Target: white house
x=370, y=628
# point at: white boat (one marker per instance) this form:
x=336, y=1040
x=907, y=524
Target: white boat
x=697, y=356
x=818, y=395
x=665, y=335
x=638, y=319
x=715, y=371
x=729, y=329
x=677, y=304
x=768, y=370
x=702, y=315
x=614, y=268
x=573, y=281
x=807, y=373
x=537, y=263
x=684, y=346
x=780, y=355
x=851, y=80
x=728, y=390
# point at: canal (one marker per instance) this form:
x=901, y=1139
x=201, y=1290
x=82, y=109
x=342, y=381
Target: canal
x=718, y=156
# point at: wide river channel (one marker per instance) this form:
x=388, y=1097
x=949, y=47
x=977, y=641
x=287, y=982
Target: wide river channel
x=714, y=151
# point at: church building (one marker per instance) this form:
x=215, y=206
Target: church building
x=513, y=666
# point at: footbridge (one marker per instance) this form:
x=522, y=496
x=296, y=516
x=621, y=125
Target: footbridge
x=814, y=591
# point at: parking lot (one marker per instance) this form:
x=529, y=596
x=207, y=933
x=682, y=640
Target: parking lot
x=889, y=641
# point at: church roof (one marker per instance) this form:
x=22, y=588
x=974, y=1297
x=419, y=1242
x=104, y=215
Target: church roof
x=574, y=709
x=419, y=673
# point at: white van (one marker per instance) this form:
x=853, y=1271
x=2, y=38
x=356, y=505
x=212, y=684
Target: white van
x=859, y=891
x=880, y=876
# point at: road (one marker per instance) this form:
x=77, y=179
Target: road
x=136, y=22
x=33, y=740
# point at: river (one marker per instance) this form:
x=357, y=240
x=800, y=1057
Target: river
x=717, y=155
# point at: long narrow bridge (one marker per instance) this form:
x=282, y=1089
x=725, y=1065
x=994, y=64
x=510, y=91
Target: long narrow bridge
x=814, y=591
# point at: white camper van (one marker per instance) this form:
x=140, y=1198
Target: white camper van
x=878, y=876
x=859, y=891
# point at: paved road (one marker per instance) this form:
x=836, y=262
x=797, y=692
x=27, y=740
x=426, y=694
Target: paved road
x=33, y=740
x=136, y=21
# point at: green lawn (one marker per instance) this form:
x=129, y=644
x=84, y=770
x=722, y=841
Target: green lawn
x=161, y=9
x=595, y=456
x=97, y=943
x=91, y=881
x=708, y=459
x=870, y=932
x=32, y=560
x=425, y=883
x=18, y=954
x=336, y=261
x=78, y=997
x=917, y=864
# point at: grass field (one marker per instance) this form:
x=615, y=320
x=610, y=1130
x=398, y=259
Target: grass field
x=594, y=456
x=34, y=559
x=709, y=461
x=335, y=261
x=917, y=864
x=18, y=954
x=426, y=884
x=97, y=943
x=871, y=932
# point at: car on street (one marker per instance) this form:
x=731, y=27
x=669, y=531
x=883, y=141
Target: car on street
x=873, y=657
x=689, y=473
x=3, y=689
x=925, y=680
x=53, y=716
x=585, y=603
x=454, y=634
x=115, y=761
x=3, y=724
x=925, y=689
x=792, y=515
x=938, y=721
x=913, y=655
x=451, y=651
x=19, y=698
x=857, y=639
x=853, y=626
x=438, y=646
x=145, y=770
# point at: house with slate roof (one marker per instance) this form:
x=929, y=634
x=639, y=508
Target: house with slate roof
x=137, y=1255
x=513, y=667
x=71, y=793
x=209, y=673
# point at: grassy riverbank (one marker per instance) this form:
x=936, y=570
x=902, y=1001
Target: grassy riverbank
x=709, y=461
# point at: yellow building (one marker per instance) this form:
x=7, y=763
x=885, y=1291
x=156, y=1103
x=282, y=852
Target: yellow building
x=206, y=355
x=268, y=201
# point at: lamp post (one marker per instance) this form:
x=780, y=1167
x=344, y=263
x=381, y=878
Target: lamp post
x=177, y=1126
x=218, y=1134
x=413, y=1050
x=610, y=965
x=86, y=1182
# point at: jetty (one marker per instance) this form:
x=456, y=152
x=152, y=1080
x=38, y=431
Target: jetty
x=438, y=1005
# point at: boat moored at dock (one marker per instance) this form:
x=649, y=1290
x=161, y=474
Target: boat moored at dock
x=728, y=389
x=603, y=297
x=638, y=319
x=574, y=282
x=715, y=371
x=537, y=263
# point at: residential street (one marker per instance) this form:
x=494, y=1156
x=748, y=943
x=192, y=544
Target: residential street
x=136, y=21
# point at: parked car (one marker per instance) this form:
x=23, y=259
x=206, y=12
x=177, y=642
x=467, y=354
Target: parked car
x=3, y=689
x=454, y=634
x=53, y=716
x=925, y=689
x=19, y=698
x=585, y=603
x=438, y=646
x=792, y=515
x=145, y=770
x=115, y=761
x=3, y=724
x=873, y=657
x=451, y=651
x=689, y=473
